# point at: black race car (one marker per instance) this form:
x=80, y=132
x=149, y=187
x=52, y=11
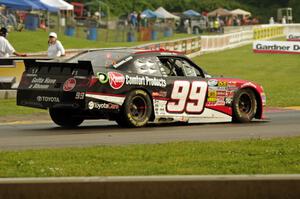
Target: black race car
x=134, y=87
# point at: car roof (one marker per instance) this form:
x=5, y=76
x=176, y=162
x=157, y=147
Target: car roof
x=133, y=51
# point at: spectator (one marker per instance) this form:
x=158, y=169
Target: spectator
x=216, y=25
x=133, y=19
x=283, y=20
x=55, y=48
x=6, y=49
x=271, y=21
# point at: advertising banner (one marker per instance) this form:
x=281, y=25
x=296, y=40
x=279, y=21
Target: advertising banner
x=276, y=47
x=293, y=36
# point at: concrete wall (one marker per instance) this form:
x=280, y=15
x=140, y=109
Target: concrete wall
x=166, y=187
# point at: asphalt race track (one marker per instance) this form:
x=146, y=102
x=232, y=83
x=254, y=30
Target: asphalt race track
x=279, y=123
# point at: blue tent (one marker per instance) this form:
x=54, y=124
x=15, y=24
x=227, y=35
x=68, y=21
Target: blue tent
x=149, y=14
x=17, y=5
x=191, y=13
x=44, y=6
x=27, y=5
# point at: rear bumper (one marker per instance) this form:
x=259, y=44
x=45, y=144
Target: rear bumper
x=49, y=99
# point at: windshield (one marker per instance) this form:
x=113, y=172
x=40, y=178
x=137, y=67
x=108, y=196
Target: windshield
x=101, y=59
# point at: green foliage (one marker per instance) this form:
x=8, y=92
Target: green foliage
x=255, y=156
x=263, y=9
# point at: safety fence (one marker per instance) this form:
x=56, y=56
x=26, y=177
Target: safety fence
x=186, y=46
x=211, y=43
x=291, y=28
x=265, y=32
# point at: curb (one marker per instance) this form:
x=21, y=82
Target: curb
x=149, y=187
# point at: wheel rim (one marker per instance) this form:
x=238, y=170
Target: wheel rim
x=245, y=103
x=138, y=108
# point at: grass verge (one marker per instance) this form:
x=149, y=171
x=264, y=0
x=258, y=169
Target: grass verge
x=275, y=156
x=29, y=41
x=278, y=74
x=8, y=107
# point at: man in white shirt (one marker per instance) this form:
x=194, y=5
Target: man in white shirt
x=6, y=49
x=55, y=48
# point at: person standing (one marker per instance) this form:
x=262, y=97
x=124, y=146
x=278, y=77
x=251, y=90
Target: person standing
x=6, y=49
x=55, y=48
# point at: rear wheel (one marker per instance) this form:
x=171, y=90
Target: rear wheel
x=244, y=106
x=136, y=110
x=65, y=117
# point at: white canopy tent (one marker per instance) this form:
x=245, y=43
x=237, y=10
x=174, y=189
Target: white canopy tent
x=164, y=14
x=60, y=4
x=240, y=12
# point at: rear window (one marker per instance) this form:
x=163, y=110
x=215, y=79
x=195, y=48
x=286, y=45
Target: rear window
x=101, y=59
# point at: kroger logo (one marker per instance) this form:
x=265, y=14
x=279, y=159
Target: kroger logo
x=116, y=80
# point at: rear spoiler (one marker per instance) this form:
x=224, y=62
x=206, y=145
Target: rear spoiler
x=82, y=68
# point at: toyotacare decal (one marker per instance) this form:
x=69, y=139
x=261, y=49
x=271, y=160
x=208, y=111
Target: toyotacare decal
x=116, y=80
x=69, y=84
x=96, y=105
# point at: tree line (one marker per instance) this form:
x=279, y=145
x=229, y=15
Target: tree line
x=262, y=9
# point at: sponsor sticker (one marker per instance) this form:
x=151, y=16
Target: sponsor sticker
x=69, y=84
x=212, y=99
x=122, y=62
x=41, y=83
x=212, y=82
x=96, y=105
x=116, y=80
x=221, y=93
x=103, y=78
x=212, y=93
x=222, y=84
x=47, y=99
x=145, y=81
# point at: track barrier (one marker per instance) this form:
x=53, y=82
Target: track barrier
x=167, y=187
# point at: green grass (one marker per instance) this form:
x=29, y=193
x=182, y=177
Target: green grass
x=8, y=107
x=29, y=41
x=257, y=156
x=278, y=74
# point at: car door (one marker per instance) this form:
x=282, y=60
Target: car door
x=187, y=88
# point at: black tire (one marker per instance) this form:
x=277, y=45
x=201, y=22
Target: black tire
x=136, y=110
x=244, y=106
x=65, y=117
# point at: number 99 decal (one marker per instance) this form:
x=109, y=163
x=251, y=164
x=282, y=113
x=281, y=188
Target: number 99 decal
x=187, y=97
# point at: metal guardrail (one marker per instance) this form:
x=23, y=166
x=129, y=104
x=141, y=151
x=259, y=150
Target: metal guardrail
x=166, y=187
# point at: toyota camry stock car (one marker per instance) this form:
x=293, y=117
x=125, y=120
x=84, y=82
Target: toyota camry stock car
x=134, y=87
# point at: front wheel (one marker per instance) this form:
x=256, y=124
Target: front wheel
x=244, y=106
x=65, y=117
x=136, y=110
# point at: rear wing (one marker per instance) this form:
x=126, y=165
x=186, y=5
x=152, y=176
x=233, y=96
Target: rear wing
x=82, y=68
